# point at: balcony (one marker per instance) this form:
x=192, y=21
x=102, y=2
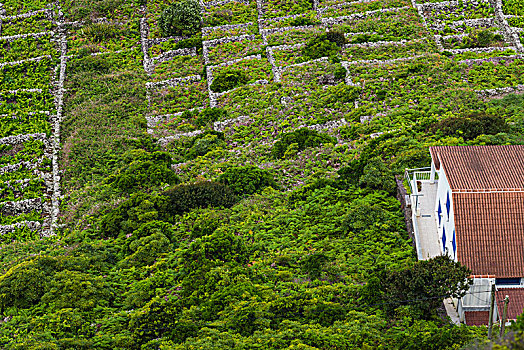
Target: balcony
x=423, y=195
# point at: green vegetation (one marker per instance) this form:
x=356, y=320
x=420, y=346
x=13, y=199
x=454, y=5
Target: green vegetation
x=181, y=18
x=264, y=219
x=228, y=79
x=298, y=140
x=325, y=45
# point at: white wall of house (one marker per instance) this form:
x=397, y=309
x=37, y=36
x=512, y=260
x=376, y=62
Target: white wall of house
x=447, y=221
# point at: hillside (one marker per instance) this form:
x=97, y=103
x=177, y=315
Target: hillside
x=227, y=179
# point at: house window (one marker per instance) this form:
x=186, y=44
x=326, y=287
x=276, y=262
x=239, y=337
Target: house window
x=454, y=244
x=444, y=239
x=448, y=205
x=507, y=281
x=439, y=212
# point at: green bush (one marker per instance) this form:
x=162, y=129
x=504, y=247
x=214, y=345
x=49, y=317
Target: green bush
x=302, y=21
x=189, y=43
x=343, y=93
x=205, y=222
x=303, y=137
x=183, y=198
x=204, y=143
x=424, y=283
x=471, y=126
x=324, y=45
x=146, y=172
x=480, y=38
x=181, y=18
x=228, y=79
x=303, y=192
x=146, y=250
x=24, y=284
x=246, y=180
x=378, y=176
x=210, y=115
x=340, y=72
x=313, y=264
x=320, y=47
x=139, y=209
x=336, y=37
x=77, y=290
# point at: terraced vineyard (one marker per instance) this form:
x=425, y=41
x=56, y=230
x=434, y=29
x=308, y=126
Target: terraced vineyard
x=234, y=187
x=33, y=72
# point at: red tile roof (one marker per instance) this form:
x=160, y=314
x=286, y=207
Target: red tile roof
x=516, y=301
x=481, y=167
x=489, y=230
x=476, y=318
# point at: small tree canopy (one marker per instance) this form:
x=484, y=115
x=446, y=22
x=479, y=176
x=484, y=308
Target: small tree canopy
x=424, y=285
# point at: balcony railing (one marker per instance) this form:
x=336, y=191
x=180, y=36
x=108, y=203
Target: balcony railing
x=413, y=177
x=418, y=174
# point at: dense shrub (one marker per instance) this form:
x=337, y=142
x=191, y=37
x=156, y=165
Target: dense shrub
x=340, y=72
x=303, y=138
x=181, y=18
x=147, y=171
x=205, y=222
x=324, y=45
x=86, y=9
x=303, y=192
x=204, y=143
x=183, y=198
x=228, y=79
x=313, y=264
x=336, y=37
x=246, y=180
x=302, y=21
x=24, y=284
x=189, y=43
x=139, y=209
x=320, y=47
x=146, y=250
x=424, y=283
x=365, y=38
x=471, y=126
x=378, y=176
x=73, y=289
x=210, y=115
x=343, y=93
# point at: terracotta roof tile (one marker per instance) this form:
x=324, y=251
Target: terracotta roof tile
x=516, y=301
x=489, y=230
x=481, y=167
x=476, y=318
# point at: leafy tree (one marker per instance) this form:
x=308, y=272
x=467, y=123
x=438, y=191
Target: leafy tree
x=184, y=197
x=181, y=18
x=23, y=285
x=425, y=284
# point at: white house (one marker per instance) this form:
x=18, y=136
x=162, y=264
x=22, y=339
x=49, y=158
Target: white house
x=471, y=205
